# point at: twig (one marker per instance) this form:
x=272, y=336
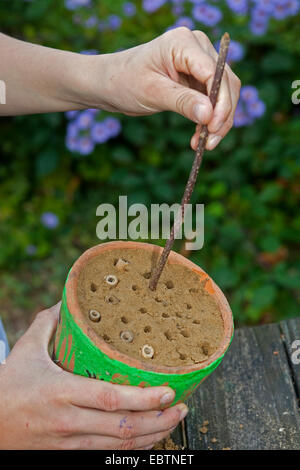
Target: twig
x=196, y=165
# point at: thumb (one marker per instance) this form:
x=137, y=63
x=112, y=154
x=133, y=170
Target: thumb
x=43, y=327
x=186, y=101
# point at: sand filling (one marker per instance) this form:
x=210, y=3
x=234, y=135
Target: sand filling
x=178, y=324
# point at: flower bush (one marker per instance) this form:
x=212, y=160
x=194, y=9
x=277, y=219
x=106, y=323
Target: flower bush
x=57, y=168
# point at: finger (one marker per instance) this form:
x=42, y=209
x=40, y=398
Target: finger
x=126, y=425
x=95, y=442
x=105, y=396
x=186, y=101
x=43, y=327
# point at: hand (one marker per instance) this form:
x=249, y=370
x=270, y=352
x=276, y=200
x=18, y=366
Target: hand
x=45, y=407
x=173, y=72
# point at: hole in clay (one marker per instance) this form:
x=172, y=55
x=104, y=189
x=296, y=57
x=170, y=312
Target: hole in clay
x=111, y=280
x=197, y=322
x=147, y=329
x=185, y=333
x=106, y=338
x=147, y=275
x=124, y=320
x=205, y=348
x=94, y=315
x=168, y=335
x=143, y=310
x=165, y=315
x=169, y=284
x=126, y=336
x=182, y=356
x=112, y=299
x=188, y=306
x=93, y=287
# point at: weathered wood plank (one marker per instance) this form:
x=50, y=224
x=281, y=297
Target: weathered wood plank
x=291, y=332
x=250, y=401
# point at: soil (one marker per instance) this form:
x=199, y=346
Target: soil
x=166, y=444
x=178, y=324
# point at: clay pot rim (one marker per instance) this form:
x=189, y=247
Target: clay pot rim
x=113, y=353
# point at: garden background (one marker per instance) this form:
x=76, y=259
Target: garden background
x=57, y=168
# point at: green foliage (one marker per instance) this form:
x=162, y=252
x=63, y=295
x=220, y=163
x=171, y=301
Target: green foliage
x=249, y=184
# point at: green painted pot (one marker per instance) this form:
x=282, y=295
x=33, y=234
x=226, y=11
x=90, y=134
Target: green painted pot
x=80, y=350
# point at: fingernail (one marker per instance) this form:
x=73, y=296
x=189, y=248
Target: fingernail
x=200, y=112
x=213, y=140
x=167, y=398
x=184, y=411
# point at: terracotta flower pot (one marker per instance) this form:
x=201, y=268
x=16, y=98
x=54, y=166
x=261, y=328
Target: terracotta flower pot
x=80, y=350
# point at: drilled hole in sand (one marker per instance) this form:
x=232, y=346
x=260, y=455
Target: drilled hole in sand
x=93, y=287
x=168, y=335
x=143, y=310
x=106, y=338
x=178, y=315
x=185, y=333
x=112, y=299
x=169, y=284
x=193, y=290
x=158, y=299
x=188, y=306
x=135, y=288
x=165, y=315
x=147, y=275
x=205, y=348
x=124, y=320
x=197, y=322
x=182, y=356
x=147, y=329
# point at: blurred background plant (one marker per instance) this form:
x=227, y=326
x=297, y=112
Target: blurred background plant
x=57, y=168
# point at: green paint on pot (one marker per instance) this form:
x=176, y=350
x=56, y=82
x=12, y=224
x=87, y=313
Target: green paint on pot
x=75, y=352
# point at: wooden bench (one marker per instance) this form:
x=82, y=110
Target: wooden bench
x=252, y=400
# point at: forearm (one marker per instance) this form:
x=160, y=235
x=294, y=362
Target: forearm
x=40, y=79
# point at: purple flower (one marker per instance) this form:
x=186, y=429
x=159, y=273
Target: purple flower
x=184, y=21
x=100, y=133
x=207, y=14
x=85, y=119
x=49, y=220
x=71, y=114
x=72, y=129
x=256, y=109
x=240, y=118
x=89, y=52
x=73, y=4
x=85, y=145
x=259, y=14
x=113, y=126
x=292, y=7
x=72, y=142
x=240, y=7
x=266, y=5
x=91, y=22
x=151, y=6
x=235, y=51
x=129, y=9
x=31, y=250
x=249, y=93
x=259, y=27
x=114, y=22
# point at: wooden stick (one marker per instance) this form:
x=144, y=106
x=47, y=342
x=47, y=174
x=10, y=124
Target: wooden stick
x=196, y=165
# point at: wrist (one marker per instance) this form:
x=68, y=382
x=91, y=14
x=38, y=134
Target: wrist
x=92, y=85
